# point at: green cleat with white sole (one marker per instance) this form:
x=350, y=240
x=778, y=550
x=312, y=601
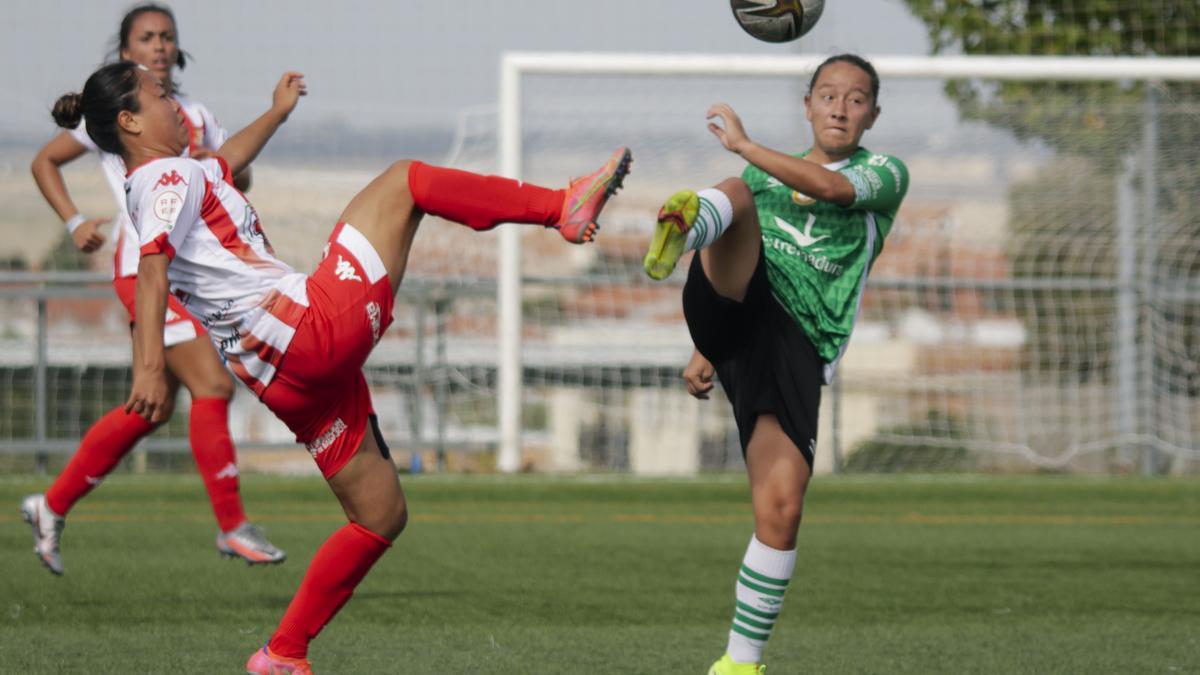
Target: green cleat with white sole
x=670, y=234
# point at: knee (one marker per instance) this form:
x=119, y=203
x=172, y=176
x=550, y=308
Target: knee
x=779, y=520
x=784, y=513
x=217, y=384
x=397, y=519
x=738, y=192
x=223, y=388
x=389, y=520
x=396, y=175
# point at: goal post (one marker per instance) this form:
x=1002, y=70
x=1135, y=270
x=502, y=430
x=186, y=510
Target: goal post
x=923, y=300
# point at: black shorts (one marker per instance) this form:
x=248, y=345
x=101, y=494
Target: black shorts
x=765, y=362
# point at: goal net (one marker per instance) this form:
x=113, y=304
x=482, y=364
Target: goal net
x=1034, y=306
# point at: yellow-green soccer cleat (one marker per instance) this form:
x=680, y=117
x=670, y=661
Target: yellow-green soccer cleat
x=670, y=234
x=727, y=666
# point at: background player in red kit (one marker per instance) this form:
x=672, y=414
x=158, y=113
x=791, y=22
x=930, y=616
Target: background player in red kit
x=298, y=341
x=148, y=36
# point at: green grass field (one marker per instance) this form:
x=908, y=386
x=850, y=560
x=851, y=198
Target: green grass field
x=605, y=575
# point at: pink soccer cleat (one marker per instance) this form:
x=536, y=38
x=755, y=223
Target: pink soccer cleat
x=266, y=662
x=586, y=198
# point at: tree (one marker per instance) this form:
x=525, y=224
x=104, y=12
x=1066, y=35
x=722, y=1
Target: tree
x=1063, y=219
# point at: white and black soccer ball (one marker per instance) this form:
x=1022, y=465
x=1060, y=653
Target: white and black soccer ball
x=777, y=20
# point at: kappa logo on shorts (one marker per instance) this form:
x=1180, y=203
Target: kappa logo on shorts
x=168, y=179
x=324, y=441
x=345, y=271
x=373, y=315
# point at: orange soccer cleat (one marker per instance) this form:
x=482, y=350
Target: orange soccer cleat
x=586, y=198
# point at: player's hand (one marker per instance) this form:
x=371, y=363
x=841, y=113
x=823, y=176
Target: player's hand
x=148, y=397
x=698, y=375
x=87, y=236
x=730, y=131
x=288, y=92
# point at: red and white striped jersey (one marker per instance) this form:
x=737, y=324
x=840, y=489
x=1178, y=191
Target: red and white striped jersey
x=204, y=132
x=221, y=266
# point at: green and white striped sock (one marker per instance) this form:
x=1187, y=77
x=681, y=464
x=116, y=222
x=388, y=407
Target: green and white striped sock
x=761, y=584
x=714, y=217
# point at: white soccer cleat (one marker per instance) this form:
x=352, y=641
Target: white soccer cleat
x=248, y=542
x=47, y=530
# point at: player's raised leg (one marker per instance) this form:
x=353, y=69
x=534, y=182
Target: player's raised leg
x=388, y=211
x=721, y=222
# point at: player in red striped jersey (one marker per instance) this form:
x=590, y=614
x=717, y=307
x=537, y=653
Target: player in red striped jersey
x=147, y=36
x=298, y=341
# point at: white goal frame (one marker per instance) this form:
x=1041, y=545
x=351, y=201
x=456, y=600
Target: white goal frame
x=515, y=65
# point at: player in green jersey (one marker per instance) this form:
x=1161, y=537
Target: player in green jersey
x=770, y=301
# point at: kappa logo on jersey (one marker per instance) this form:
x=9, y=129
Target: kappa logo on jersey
x=170, y=179
x=345, y=271
x=803, y=239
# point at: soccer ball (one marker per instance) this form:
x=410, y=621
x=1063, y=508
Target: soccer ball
x=777, y=20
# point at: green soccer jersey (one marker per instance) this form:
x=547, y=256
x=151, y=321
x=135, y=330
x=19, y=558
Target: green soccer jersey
x=818, y=254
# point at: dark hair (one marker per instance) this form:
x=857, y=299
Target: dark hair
x=854, y=60
x=127, y=27
x=108, y=92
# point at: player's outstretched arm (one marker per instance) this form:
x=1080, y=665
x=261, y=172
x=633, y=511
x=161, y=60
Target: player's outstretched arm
x=47, y=173
x=148, y=395
x=801, y=175
x=244, y=146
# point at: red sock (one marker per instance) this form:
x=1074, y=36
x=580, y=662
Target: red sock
x=208, y=430
x=337, y=568
x=481, y=202
x=103, y=446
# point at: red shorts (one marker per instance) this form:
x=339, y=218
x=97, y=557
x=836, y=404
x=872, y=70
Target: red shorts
x=319, y=389
x=180, y=326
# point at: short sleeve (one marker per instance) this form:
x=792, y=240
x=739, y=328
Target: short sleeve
x=756, y=179
x=880, y=183
x=165, y=204
x=215, y=135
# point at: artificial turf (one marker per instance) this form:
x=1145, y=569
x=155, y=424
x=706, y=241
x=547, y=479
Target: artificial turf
x=946, y=574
